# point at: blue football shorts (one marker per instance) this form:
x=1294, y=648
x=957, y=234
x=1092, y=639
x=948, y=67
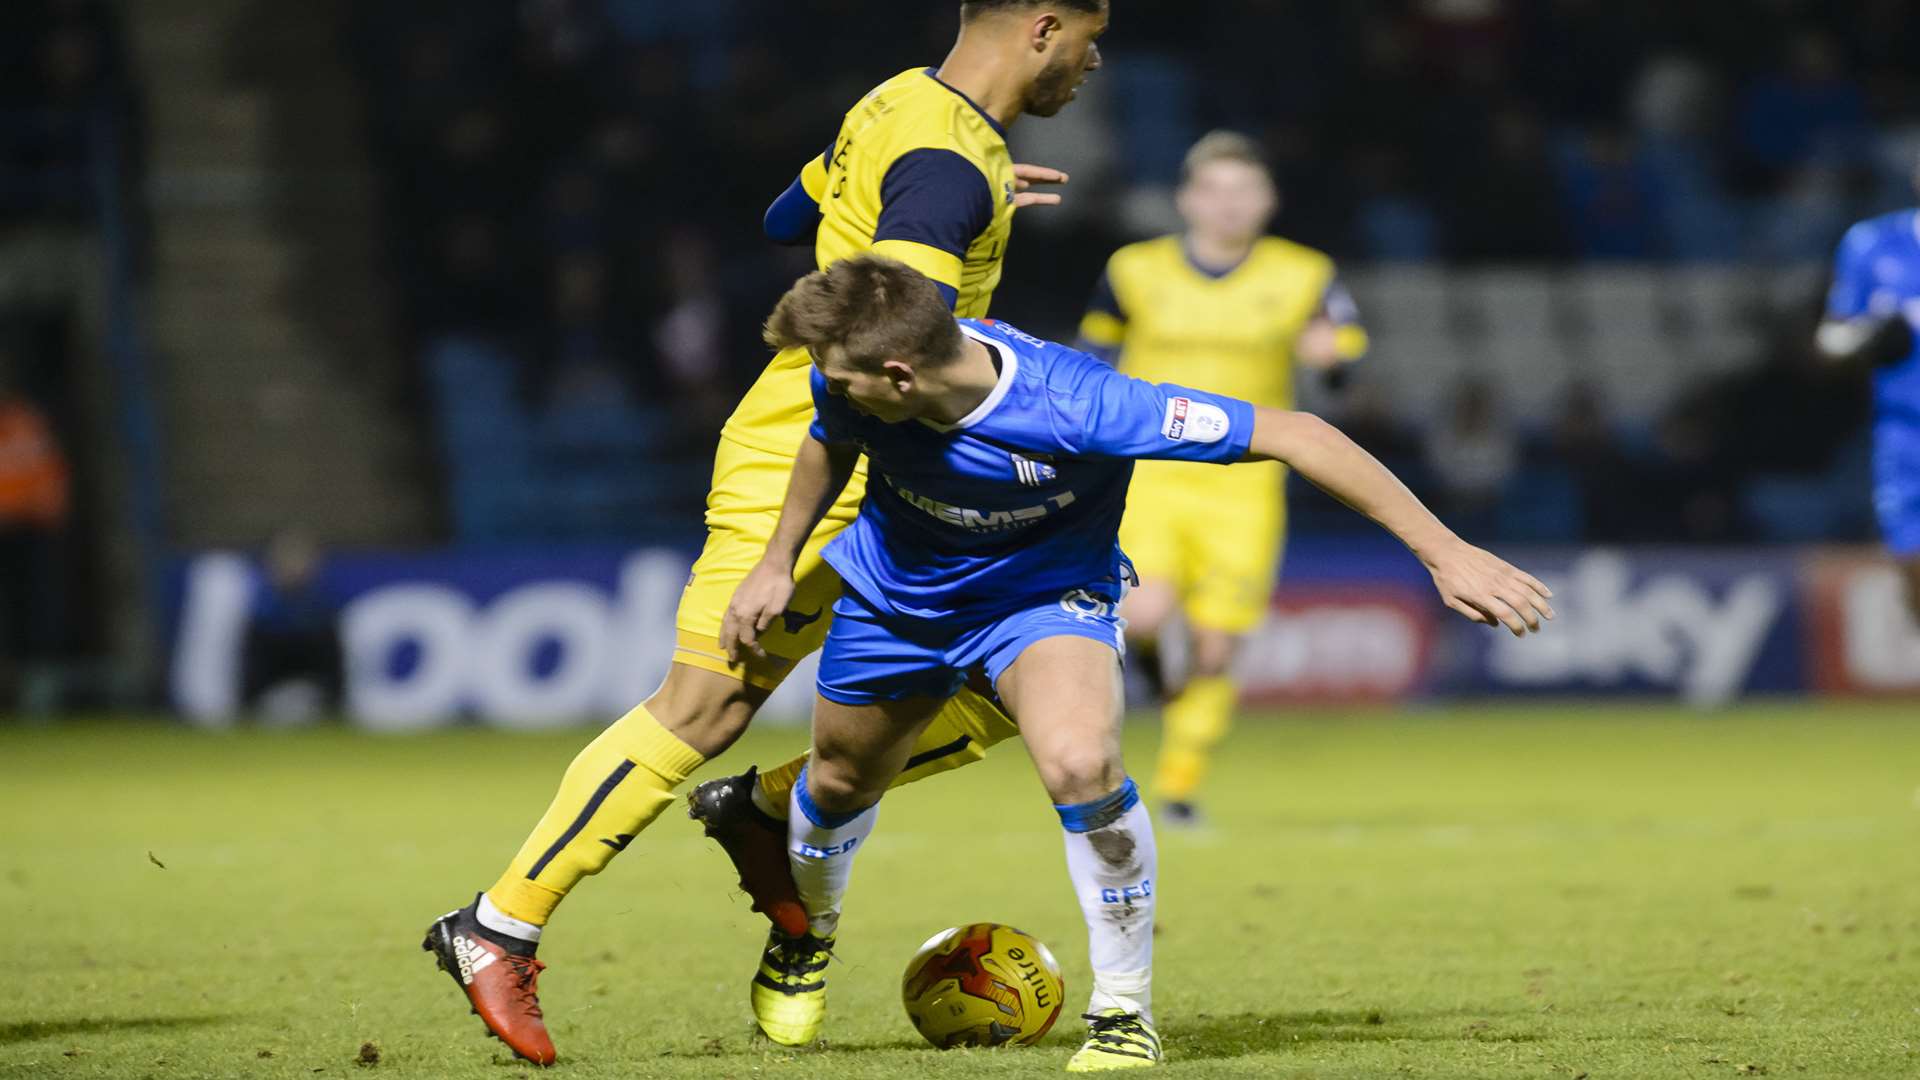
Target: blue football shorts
x=870, y=656
x=1896, y=484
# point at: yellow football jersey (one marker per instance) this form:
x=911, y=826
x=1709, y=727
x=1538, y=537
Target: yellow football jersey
x=1230, y=333
x=917, y=173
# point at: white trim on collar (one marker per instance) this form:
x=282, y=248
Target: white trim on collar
x=1009, y=366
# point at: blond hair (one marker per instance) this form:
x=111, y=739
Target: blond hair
x=874, y=308
x=1224, y=145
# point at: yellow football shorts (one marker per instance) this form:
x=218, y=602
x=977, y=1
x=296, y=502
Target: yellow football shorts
x=743, y=507
x=1215, y=534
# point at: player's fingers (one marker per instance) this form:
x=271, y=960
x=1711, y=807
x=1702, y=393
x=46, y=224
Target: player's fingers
x=1468, y=610
x=1037, y=174
x=1520, y=607
x=1534, y=583
x=1507, y=617
x=729, y=636
x=1497, y=613
x=1034, y=198
x=1537, y=600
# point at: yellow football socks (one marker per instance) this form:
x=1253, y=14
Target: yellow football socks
x=612, y=791
x=776, y=785
x=1193, y=721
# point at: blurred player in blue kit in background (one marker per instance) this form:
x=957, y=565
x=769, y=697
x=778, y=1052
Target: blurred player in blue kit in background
x=1871, y=312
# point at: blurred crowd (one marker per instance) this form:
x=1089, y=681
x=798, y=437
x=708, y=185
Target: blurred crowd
x=1777, y=451
x=578, y=182
x=65, y=96
x=62, y=66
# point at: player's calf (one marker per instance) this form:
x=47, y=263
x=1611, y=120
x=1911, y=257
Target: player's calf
x=1910, y=570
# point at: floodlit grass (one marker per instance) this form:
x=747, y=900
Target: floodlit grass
x=1464, y=892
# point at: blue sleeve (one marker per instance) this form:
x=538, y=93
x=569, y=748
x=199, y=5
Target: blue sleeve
x=832, y=421
x=1132, y=418
x=936, y=198
x=1852, y=290
x=795, y=216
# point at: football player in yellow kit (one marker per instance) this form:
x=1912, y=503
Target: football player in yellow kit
x=919, y=171
x=1225, y=307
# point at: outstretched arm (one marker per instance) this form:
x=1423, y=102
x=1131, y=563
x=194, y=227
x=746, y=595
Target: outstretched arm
x=1473, y=582
x=820, y=474
x=1860, y=327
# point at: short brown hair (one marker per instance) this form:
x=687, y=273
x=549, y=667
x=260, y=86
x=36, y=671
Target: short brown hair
x=876, y=309
x=1224, y=146
x=973, y=9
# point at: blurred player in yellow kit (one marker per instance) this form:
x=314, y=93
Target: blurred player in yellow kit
x=1227, y=308
x=919, y=171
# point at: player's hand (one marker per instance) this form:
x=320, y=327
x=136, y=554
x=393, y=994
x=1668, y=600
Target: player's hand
x=1318, y=346
x=759, y=600
x=1025, y=176
x=1486, y=589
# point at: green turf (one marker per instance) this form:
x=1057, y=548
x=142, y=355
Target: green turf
x=1510, y=892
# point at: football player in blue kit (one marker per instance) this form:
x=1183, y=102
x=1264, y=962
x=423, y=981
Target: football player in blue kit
x=1871, y=313
x=998, y=468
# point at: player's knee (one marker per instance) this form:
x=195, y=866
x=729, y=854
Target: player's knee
x=1213, y=652
x=704, y=709
x=1146, y=610
x=1081, y=774
x=836, y=786
x=1143, y=628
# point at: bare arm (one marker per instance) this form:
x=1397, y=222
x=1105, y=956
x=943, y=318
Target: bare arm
x=1868, y=340
x=820, y=474
x=1472, y=582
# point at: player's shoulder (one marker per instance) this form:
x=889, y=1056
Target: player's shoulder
x=920, y=111
x=1278, y=254
x=1895, y=226
x=1039, y=362
x=1159, y=249
x=1145, y=261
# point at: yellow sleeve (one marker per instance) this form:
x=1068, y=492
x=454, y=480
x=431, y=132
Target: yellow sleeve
x=1351, y=342
x=1336, y=304
x=1104, y=326
x=813, y=178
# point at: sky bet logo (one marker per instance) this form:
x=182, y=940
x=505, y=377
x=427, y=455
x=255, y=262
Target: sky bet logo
x=1128, y=894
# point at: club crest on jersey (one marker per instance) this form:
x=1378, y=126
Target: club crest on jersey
x=1034, y=470
x=1188, y=420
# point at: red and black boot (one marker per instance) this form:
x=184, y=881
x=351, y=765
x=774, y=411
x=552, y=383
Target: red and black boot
x=499, y=976
x=757, y=844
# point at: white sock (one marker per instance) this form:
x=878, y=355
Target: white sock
x=502, y=923
x=1113, y=863
x=762, y=803
x=820, y=849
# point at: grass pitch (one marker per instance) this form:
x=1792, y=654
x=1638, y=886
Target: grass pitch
x=1481, y=892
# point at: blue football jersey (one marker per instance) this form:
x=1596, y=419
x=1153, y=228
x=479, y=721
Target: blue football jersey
x=1021, y=498
x=1877, y=272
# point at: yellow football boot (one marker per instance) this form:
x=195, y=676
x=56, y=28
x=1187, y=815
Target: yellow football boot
x=790, y=989
x=1116, y=1040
